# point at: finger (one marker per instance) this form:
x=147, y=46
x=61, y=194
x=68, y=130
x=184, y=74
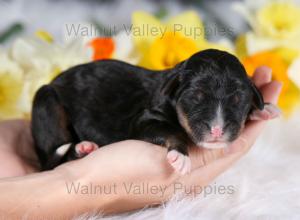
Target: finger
x=262, y=75
x=271, y=93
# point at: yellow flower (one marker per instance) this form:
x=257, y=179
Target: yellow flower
x=10, y=87
x=168, y=51
x=44, y=35
x=290, y=95
x=274, y=25
x=163, y=45
x=241, y=49
x=287, y=54
x=273, y=41
x=279, y=20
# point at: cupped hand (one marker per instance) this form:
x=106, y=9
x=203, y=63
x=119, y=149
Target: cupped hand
x=137, y=174
x=17, y=155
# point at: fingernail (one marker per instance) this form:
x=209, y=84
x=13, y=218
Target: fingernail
x=279, y=83
x=267, y=70
x=279, y=87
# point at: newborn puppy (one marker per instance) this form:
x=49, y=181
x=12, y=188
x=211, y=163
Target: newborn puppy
x=202, y=101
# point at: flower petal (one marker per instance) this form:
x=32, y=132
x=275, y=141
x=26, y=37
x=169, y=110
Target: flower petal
x=189, y=25
x=142, y=24
x=294, y=72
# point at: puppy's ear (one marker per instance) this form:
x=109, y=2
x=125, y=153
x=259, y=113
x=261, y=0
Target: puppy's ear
x=258, y=101
x=170, y=85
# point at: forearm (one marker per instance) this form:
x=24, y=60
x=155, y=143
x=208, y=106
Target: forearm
x=44, y=196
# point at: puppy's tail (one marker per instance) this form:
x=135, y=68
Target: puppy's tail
x=51, y=127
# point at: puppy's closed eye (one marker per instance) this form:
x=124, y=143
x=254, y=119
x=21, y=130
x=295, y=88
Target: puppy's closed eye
x=199, y=95
x=236, y=98
x=196, y=97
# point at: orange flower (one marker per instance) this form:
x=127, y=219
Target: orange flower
x=289, y=95
x=103, y=48
x=270, y=59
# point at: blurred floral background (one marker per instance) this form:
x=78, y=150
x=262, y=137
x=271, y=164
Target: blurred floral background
x=40, y=39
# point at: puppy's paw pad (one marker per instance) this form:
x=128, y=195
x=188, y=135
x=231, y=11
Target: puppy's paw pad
x=172, y=156
x=181, y=163
x=85, y=147
x=270, y=111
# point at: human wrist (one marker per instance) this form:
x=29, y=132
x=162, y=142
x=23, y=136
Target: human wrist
x=28, y=195
x=42, y=196
x=83, y=187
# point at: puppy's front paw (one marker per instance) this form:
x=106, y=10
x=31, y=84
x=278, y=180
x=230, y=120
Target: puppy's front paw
x=180, y=162
x=85, y=147
x=270, y=111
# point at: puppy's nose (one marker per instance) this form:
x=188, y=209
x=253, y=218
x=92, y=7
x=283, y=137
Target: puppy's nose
x=216, y=131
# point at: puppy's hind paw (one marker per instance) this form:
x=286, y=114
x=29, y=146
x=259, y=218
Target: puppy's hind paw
x=270, y=111
x=181, y=163
x=85, y=147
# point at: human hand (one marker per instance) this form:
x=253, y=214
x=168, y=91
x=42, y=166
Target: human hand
x=17, y=155
x=136, y=164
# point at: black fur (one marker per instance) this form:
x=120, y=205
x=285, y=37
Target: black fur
x=109, y=101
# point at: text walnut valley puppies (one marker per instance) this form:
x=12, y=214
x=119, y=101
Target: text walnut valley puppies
x=146, y=188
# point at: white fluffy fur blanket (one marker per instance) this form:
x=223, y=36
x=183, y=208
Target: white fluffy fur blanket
x=266, y=184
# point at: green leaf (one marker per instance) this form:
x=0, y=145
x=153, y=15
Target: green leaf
x=161, y=13
x=14, y=29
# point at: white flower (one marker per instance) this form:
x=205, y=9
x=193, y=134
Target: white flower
x=124, y=48
x=7, y=65
x=294, y=72
x=70, y=54
x=42, y=61
x=255, y=43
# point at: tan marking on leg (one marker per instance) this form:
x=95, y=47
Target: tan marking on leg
x=183, y=120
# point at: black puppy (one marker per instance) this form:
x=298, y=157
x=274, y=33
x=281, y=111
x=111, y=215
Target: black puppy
x=204, y=100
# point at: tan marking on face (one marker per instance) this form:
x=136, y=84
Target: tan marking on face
x=168, y=143
x=183, y=120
